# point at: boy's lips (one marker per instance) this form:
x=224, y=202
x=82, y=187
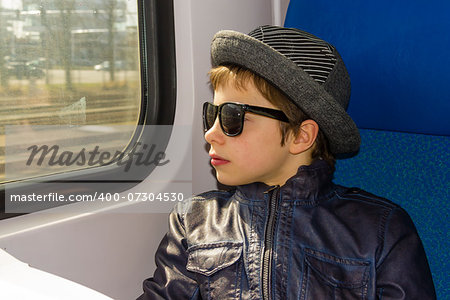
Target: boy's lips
x=217, y=160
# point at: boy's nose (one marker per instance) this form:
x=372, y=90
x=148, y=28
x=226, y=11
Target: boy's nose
x=215, y=134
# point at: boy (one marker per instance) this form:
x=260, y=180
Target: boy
x=286, y=231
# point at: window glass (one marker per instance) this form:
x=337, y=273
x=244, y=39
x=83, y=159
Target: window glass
x=71, y=64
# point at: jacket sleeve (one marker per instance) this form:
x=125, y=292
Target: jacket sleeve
x=402, y=268
x=171, y=280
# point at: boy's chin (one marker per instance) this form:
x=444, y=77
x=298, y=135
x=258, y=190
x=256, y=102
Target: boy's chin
x=225, y=181
x=230, y=181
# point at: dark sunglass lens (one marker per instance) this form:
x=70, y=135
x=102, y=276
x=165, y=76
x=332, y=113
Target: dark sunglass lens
x=231, y=118
x=209, y=115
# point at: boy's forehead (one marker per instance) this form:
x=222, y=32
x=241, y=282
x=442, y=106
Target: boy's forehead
x=236, y=81
x=247, y=93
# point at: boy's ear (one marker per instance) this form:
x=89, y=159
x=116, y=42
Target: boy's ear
x=305, y=137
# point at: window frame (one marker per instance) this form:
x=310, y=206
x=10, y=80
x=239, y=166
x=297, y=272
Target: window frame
x=158, y=101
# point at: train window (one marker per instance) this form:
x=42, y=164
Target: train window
x=80, y=77
x=69, y=63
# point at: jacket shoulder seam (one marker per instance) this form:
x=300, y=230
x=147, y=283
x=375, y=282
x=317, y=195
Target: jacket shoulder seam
x=362, y=196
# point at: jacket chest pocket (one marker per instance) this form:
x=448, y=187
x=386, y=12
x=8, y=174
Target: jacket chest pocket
x=218, y=267
x=330, y=277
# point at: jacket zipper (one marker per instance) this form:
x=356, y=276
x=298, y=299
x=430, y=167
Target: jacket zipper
x=268, y=244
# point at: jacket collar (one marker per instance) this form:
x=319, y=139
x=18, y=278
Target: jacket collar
x=311, y=184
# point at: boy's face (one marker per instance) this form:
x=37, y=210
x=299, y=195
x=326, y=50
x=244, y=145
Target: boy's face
x=255, y=155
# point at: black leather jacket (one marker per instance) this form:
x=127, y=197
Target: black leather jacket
x=308, y=239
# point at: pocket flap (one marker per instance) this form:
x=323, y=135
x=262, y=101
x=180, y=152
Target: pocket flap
x=338, y=271
x=207, y=259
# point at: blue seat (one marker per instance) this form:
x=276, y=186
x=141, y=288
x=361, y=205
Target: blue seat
x=398, y=63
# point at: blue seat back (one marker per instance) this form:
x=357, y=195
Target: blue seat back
x=397, y=54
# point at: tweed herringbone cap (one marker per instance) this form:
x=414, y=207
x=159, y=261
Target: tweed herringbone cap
x=308, y=70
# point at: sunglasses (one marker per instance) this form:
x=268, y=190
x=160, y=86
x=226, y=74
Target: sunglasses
x=231, y=116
